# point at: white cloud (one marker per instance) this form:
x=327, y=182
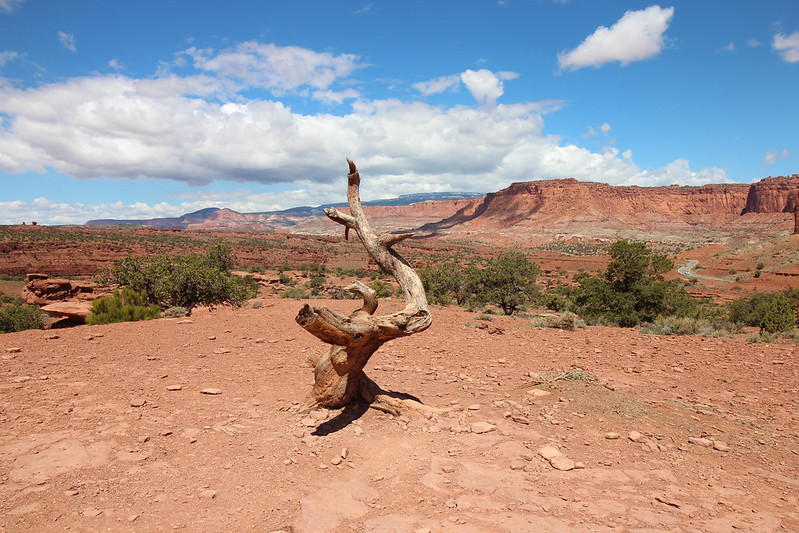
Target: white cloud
x=8, y=56
x=438, y=85
x=177, y=128
x=67, y=40
x=277, y=68
x=753, y=43
x=484, y=85
x=679, y=171
x=336, y=97
x=787, y=46
x=638, y=35
x=771, y=157
x=730, y=47
x=7, y=6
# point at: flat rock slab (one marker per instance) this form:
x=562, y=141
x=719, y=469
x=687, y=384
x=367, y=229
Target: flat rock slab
x=326, y=508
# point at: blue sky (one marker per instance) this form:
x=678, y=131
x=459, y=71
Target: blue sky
x=122, y=109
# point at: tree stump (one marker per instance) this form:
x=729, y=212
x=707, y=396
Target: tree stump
x=338, y=375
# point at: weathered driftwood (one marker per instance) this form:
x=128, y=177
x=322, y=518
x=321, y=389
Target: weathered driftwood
x=338, y=375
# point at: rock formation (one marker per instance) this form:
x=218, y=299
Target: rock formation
x=773, y=195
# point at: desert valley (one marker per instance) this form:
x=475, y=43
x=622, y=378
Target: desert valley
x=188, y=423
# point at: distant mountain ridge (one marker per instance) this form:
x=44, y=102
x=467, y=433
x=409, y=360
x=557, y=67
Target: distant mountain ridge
x=540, y=211
x=223, y=218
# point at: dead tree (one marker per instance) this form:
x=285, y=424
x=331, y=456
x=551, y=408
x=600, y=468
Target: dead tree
x=338, y=375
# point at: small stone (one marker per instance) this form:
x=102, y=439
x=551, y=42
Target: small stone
x=344, y=453
x=474, y=407
x=14, y=349
x=336, y=460
x=212, y=338
x=720, y=446
x=518, y=464
x=70, y=493
x=318, y=414
x=579, y=465
x=561, y=462
x=699, y=441
x=482, y=427
x=612, y=436
x=174, y=387
x=91, y=512
x=548, y=452
x=208, y=494
x=211, y=391
x=137, y=402
x=133, y=518
x=538, y=393
x=636, y=436
x=220, y=351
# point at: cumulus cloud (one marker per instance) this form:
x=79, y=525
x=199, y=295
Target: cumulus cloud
x=638, y=35
x=276, y=68
x=178, y=128
x=787, y=46
x=484, y=85
x=67, y=40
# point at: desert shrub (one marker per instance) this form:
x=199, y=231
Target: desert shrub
x=751, y=311
x=706, y=327
x=257, y=304
x=8, y=277
x=175, y=312
x=381, y=288
x=779, y=316
x=566, y=320
x=632, y=290
x=183, y=281
x=16, y=315
x=126, y=305
x=296, y=293
x=509, y=282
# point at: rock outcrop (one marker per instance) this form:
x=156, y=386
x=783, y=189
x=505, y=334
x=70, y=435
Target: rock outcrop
x=62, y=298
x=773, y=195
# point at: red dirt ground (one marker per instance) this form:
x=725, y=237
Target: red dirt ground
x=105, y=428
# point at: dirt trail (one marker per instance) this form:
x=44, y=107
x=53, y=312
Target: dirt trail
x=107, y=428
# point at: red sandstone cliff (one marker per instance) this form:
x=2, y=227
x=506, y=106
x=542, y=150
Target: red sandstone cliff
x=773, y=195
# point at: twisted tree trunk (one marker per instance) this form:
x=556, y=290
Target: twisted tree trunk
x=338, y=375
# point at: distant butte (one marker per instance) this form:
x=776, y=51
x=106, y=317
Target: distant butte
x=543, y=210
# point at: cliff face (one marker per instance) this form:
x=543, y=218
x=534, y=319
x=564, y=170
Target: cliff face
x=564, y=206
x=773, y=195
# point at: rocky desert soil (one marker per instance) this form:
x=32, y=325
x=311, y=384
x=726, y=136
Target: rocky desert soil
x=186, y=424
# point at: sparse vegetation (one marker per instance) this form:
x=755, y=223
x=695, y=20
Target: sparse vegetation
x=183, y=281
x=507, y=281
x=16, y=315
x=126, y=305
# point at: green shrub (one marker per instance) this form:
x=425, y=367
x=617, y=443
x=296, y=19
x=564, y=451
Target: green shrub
x=779, y=316
x=257, y=304
x=183, y=281
x=381, y=288
x=632, y=289
x=125, y=306
x=18, y=316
